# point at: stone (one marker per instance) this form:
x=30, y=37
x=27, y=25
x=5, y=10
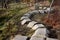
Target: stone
x=44, y=8
x=28, y=15
x=38, y=26
x=18, y=37
x=36, y=38
x=24, y=21
x=41, y=11
x=41, y=32
x=24, y=17
x=45, y=11
x=31, y=24
x=34, y=12
x=51, y=39
x=40, y=7
x=49, y=9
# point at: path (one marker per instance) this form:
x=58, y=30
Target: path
x=40, y=30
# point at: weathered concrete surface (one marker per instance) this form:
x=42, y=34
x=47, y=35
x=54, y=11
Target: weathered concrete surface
x=27, y=14
x=41, y=32
x=18, y=37
x=24, y=21
x=49, y=9
x=41, y=11
x=40, y=8
x=31, y=24
x=37, y=26
x=35, y=12
x=51, y=39
x=36, y=38
x=24, y=17
x=44, y=8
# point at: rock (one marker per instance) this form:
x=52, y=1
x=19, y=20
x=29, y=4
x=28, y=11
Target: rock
x=51, y=39
x=28, y=15
x=18, y=37
x=24, y=21
x=49, y=9
x=44, y=8
x=41, y=11
x=41, y=32
x=40, y=8
x=36, y=38
x=34, y=12
x=24, y=18
x=45, y=11
x=38, y=26
x=31, y=24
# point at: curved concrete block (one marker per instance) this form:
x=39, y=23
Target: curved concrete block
x=51, y=39
x=45, y=11
x=49, y=9
x=44, y=8
x=36, y=38
x=18, y=37
x=41, y=32
x=38, y=26
x=35, y=12
x=24, y=17
x=41, y=11
x=31, y=24
x=40, y=7
x=27, y=14
x=24, y=21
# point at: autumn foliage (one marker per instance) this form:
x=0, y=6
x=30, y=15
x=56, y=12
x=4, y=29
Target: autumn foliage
x=53, y=19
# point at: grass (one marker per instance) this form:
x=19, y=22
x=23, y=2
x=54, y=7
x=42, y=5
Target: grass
x=10, y=19
x=10, y=13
